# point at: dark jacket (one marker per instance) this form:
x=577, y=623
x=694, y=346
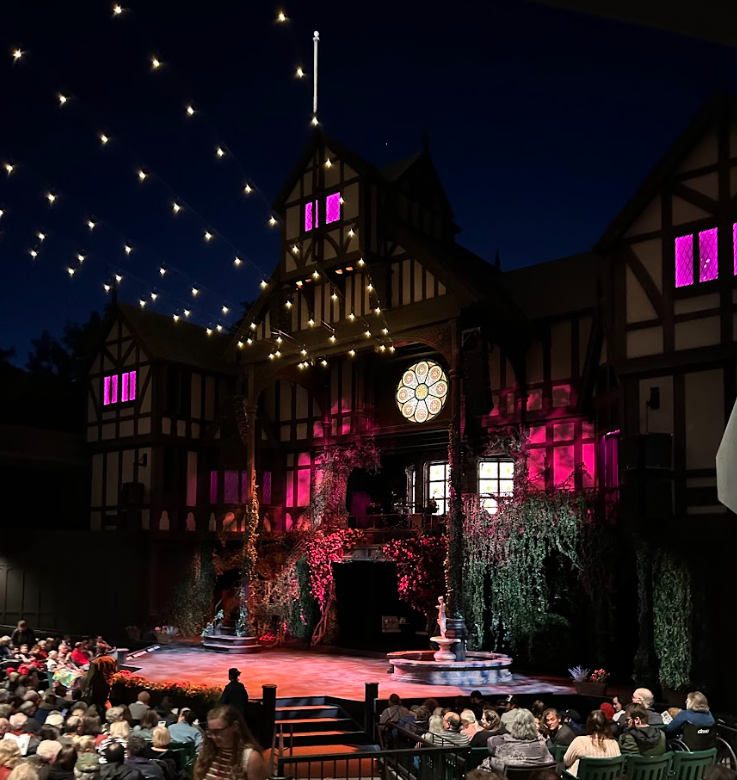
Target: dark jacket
x=236, y=695
x=146, y=766
x=646, y=740
x=27, y=637
x=481, y=738
x=56, y=773
x=119, y=772
x=690, y=716
x=563, y=736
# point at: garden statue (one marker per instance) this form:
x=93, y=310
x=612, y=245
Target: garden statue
x=442, y=618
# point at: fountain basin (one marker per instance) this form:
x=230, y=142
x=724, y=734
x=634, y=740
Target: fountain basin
x=479, y=668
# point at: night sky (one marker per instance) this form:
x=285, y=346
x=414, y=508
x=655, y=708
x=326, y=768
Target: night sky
x=542, y=124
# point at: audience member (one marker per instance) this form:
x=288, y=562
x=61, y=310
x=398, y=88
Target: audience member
x=184, y=730
x=639, y=736
x=555, y=731
x=696, y=712
x=452, y=734
x=645, y=697
x=477, y=704
x=149, y=722
x=229, y=743
x=88, y=767
x=9, y=757
x=23, y=635
x=491, y=725
x=510, y=705
x=523, y=746
x=24, y=771
x=469, y=725
x=115, y=767
x=597, y=743
x=395, y=712
x=137, y=759
x=63, y=765
x=141, y=705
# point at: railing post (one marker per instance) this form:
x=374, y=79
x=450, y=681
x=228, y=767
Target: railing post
x=268, y=697
x=369, y=717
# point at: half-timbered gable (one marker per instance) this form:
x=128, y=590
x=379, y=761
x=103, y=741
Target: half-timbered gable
x=672, y=295
x=156, y=399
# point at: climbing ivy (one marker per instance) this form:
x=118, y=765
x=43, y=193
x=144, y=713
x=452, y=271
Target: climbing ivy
x=672, y=611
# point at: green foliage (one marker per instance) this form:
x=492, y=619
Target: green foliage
x=191, y=603
x=672, y=610
x=304, y=612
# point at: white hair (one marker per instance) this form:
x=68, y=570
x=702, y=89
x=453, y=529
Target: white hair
x=17, y=720
x=468, y=716
x=523, y=725
x=48, y=749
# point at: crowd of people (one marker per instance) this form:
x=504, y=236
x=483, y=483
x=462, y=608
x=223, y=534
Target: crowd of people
x=57, y=723
x=518, y=737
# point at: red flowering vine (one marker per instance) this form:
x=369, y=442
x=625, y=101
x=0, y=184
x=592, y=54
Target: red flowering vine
x=420, y=576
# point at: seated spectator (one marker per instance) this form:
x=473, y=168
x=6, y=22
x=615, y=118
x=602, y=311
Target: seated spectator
x=140, y=706
x=118, y=735
x=469, y=725
x=421, y=722
x=395, y=712
x=608, y=710
x=598, y=742
x=49, y=732
x=452, y=731
x=137, y=758
x=166, y=711
x=556, y=732
x=639, y=736
x=159, y=750
x=115, y=767
x=523, y=746
x=72, y=728
x=696, y=712
x=618, y=709
x=572, y=719
x=27, y=742
x=5, y=648
x=23, y=635
x=87, y=767
x=80, y=656
x=63, y=766
x=434, y=729
x=22, y=655
x=48, y=704
x=511, y=704
x=28, y=708
x=148, y=723
x=9, y=757
x=538, y=710
x=477, y=704
x=184, y=730
x=4, y=727
x=491, y=725
x=645, y=697
x=55, y=719
x=24, y=771
x=84, y=744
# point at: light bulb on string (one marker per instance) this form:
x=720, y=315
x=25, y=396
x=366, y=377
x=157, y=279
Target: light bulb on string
x=91, y=224
x=351, y=233
x=377, y=310
x=142, y=303
x=17, y=54
x=155, y=63
x=352, y=352
x=62, y=99
x=195, y=292
x=264, y=284
x=220, y=152
x=288, y=304
x=295, y=249
x=279, y=339
x=272, y=221
x=142, y=174
x=249, y=341
x=334, y=296
x=128, y=249
x=106, y=287
x=391, y=348
x=240, y=344
x=190, y=110
x=328, y=163
x=271, y=355
x=41, y=236
x=351, y=316
x=324, y=363
x=332, y=338
x=1, y=212
x=278, y=353
x=33, y=253
x=81, y=258
x=176, y=318
x=252, y=326
x=218, y=327
x=367, y=334
x=369, y=287
x=154, y=296
x=281, y=17
x=176, y=208
x=314, y=121
x=382, y=348
x=225, y=310
x=162, y=271
x=209, y=331
x=104, y=138
x=315, y=274
x=237, y=261
x=311, y=322
x=360, y=262
x=300, y=73
x=50, y=197
x=118, y=278
x=117, y=10
x=303, y=352
x=248, y=189
x=385, y=331
x=8, y=168
x=208, y=235
x=186, y=312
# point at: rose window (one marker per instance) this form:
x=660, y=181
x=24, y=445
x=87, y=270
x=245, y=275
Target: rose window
x=422, y=391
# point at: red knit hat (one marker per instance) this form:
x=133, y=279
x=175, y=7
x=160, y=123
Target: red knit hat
x=608, y=710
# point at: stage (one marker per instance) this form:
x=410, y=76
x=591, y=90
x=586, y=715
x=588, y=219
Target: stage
x=312, y=673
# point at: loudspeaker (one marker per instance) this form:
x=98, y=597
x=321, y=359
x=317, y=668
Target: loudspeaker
x=648, y=451
x=131, y=494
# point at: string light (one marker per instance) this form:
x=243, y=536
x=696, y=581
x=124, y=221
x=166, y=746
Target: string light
x=360, y=262
x=33, y=253
x=91, y=225
x=295, y=249
x=162, y=271
x=117, y=10
x=271, y=355
x=314, y=121
x=351, y=316
x=237, y=262
x=50, y=197
x=154, y=296
x=1, y=212
x=220, y=152
x=278, y=353
x=176, y=318
x=249, y=341
x=142, y=303
x=272, y=221
x=190, y=110
x=351, y=233
x=176, y=207
x=118, y=278
x=62, y=99
x=369, y=287
x=352, y=352
x=155, y=63
x=186, y=312
x=323, y=363
x=328, y=163
x=382, y=348
x=240, y=345
x=367, y=334
x=252, y=326
x=104, y=138
x=225, y=310
x=195, y=292
x=300, y=73
x=128, y=249
x=264, y=284
x=303, y=352
x=281, y=17
x=377, y=310
x=9, y=168
x=279, y=339
x=208, y=235
x=332, y=338
x=209, y=331
x=218, y=327
x=106, y=287
x=311, y=322
x=315, y=274
x=142, y=175
x=334, y=296
x=17, y=54
x=248, y=189
x=391, y=348
x=41, y=236
x=81, y=258
x=385, y=331
x=288, y=304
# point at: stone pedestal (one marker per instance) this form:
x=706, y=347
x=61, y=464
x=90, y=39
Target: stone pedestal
x=444, y=654
x=456, y=630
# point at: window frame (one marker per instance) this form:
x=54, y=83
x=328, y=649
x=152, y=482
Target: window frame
x=427, y=486
x=695, y=286
x=491, y=495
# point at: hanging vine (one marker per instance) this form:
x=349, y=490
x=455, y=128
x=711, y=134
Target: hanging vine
x=672, y=611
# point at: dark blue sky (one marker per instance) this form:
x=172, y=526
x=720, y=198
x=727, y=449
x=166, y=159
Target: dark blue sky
x=542, y=124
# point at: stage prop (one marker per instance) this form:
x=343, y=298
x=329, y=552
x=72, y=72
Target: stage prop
x=727, y=464
x=478, y=669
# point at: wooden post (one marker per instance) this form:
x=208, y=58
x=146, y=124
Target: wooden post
x=268, y=697
x=369, y=716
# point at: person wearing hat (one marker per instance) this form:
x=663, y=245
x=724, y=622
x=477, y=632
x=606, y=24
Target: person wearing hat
x=235, y=693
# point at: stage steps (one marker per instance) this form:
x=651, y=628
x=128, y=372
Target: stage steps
x=224, y=640
x=312, y=721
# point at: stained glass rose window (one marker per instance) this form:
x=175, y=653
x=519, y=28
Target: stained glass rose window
x=422, y=391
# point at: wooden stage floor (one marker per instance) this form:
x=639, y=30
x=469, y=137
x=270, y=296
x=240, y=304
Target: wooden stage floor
x=298, y=673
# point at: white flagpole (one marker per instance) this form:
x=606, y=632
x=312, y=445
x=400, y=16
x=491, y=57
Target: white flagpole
x=315, y=44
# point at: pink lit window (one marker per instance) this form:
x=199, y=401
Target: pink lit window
x=708, y=255
x=129, y=386
x=110, y=390
x=734, y=245
x=312, y=215
x=684, y=261
x=332, y=208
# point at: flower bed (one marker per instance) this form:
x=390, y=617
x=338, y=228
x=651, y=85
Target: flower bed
x=127, y=685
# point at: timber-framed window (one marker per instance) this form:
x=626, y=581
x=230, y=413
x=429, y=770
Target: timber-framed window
x=495, y=478
x=438, y=485
x=119, y=388
x=696, y=257
x=331, y=211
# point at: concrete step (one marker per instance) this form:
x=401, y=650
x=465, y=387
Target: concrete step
x=231, y=644
x=327, y=738
x=305, y=725
x=303, y=712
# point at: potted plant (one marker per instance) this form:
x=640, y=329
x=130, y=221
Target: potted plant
x=589, y=684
